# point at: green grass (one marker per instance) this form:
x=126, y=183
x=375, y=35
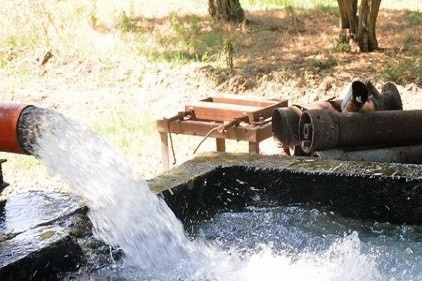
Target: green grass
x=403, y=70
x=186, y=40
x=306, y=4
x=63, y=26
x=327, y=5
x=77, y=29
x=326, y=63
x=129, y=131
x=414, y=17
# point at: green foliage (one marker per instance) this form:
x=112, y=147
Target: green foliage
x=330, y=6
x=21, y=40
x=403, y=70
x=324, y=63
x=342, y=47
x=126, y=23
x=322, y=5
x=410, y=40
x=186, y=30
x=414, y=18
x=188, y=41
x=3, y=62
x=127, y=130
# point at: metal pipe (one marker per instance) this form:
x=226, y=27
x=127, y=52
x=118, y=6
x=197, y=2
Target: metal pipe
x=411, y=154
x=322, y=129
x=284, y=124
x=285, y=121
x=10, y=119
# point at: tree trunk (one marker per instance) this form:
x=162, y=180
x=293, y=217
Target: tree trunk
x=229, y=10
x=348, y=18
x=359, y=29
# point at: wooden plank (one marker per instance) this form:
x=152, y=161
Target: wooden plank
x=223, y=106
x=245, y=100
x=213, y=111
x=220, y=111
x=264, y=113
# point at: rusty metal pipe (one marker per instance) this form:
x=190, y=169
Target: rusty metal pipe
x=322, y=129
x=11, y=139
x=411, y=154
x=285, y=124
x=285, y=121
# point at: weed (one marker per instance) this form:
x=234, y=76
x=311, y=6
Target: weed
x=410, y=40
x=342, y=47
x=126, y=24
x=281, y=75
x=327, y=8
x=308, y=77
x=402, y=71
x=324, y=64
x=414, y=18
x=93, y=20
x=228, y=51
x=3, y=62
x=294, y=18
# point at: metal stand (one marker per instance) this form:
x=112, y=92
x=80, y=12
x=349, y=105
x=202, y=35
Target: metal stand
x=221, y=117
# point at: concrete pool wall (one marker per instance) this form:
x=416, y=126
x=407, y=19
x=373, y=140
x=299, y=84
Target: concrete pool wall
x=365, y=190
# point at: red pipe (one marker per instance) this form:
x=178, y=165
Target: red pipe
x=9, y=119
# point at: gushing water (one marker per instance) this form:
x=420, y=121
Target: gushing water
x=123, y=210
x=125, y=213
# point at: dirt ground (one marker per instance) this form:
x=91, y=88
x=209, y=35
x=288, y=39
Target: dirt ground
x=272, y=60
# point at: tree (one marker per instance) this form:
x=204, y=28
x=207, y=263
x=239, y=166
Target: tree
x=359, y=29
x=229, y=10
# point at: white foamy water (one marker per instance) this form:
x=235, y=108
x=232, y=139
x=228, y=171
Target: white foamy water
x=125, y=213
x=123, y=210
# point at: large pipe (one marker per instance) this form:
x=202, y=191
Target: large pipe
x=360, y=97
x=411, y=154
x=12, y=120
x=322, y=129
x=285, y=122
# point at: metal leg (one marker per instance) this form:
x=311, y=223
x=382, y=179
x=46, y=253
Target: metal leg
x=221, y=144
x=2, y=183
x=254, y=147
x=164, y=151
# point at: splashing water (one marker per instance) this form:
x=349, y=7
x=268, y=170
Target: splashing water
x=125, y=213
x=123, y=210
